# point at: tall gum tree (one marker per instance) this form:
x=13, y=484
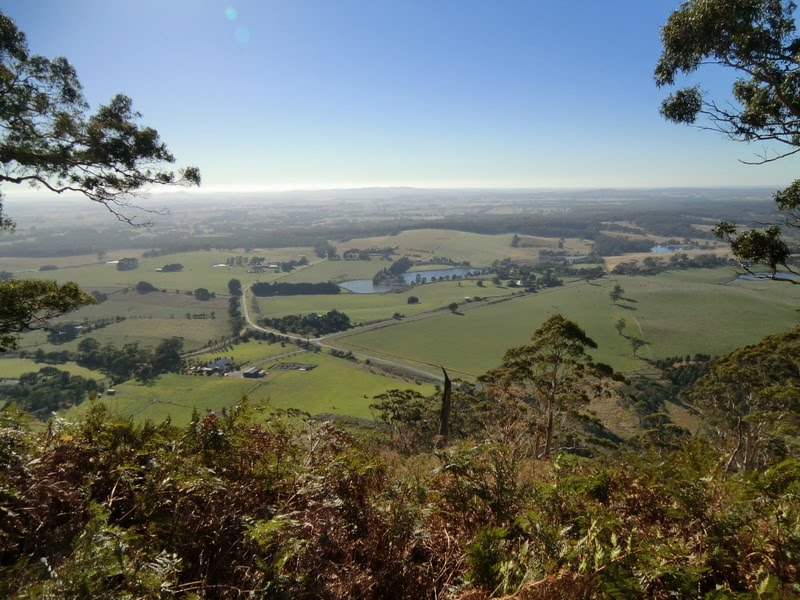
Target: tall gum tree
x=555, y=370
x=49, y=139
x=757, y=39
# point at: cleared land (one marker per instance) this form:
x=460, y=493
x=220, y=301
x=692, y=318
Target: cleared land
x=369, y=307
x=249, y=352
x=198, y=270
x=335, y=386
x=676, y=313
x=12, y=368
x=424, y=244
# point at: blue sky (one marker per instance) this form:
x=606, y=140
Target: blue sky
x=444, y=93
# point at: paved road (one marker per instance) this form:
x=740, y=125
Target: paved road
x=324, y=341
x=321, y=343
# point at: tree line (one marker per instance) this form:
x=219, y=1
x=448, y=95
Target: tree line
x=310, y=325
x=131, y=360
x=280, y=288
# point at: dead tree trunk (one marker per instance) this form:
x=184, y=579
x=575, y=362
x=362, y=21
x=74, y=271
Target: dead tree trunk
x=444, y=420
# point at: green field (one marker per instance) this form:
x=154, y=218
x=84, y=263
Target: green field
x=423, y=244
x=198, y=270
x=195, y=332
x=676, y=313
x=370, y=307
x=249, y=352
x=335, y=270
x=12, y=368
x=335, y=386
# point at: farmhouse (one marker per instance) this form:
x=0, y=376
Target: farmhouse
x=221, y=365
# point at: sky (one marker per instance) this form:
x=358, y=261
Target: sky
x=310, y=94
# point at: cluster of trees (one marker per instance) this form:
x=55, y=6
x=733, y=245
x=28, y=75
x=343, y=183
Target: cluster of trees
x=345, y=354
x=652, y=265
x=145, y=287
x=172, y=268
x=66, y=331
x=525, y=275
x=356, y=254
x=127, y=264
x=310, y=325
x=324, y=249
x=155, y=252
x=46, y=391
x=368, y=253
x=204, y=295
x=613, y=245
x=394, y=272
x=235, y=318
x=281, y=288
x=132, y=360
x=287, y=266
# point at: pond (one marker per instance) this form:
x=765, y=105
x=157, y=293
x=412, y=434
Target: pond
x=365, y=286
x=659, y=249
x=765, y=276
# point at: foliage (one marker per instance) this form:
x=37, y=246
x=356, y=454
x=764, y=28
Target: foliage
x=268, y=505
x=617, y=293
x=751, y=401
x=127, y=264
x=235, y=287
x=49, y=139
x=281, y=288
x=30, y=303
x=406, y=414
x=553, y=373
x=203, y=294
x=122, y=364
x=394, y=273
x=145, y=287
x=313, y=324
x=47, y=391
x=756, y=39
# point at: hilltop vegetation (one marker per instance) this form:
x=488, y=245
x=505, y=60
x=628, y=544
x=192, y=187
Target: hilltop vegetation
x=276, y=504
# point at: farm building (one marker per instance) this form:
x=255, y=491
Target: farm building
x=253, y=373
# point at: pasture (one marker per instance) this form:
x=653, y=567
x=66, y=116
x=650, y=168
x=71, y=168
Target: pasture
x=423, y=244
x=150, y=332
x=246, y=353
x=370, y=307
x=335, y=387
x=12, y=368
x=198, y=270
x=676, y=313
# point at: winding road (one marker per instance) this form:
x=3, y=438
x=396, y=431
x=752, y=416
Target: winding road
x=321, y=343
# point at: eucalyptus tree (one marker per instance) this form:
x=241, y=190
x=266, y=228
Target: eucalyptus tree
x=757, y=40
x=555, y=371
x=50, y=140
x=750, y=400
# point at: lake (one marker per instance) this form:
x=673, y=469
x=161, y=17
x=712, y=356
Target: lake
x=365, y=286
